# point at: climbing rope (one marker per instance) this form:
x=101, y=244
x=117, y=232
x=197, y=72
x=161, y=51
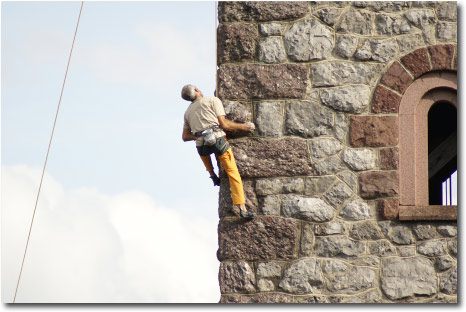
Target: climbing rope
x=48, y=151
x=215, y=33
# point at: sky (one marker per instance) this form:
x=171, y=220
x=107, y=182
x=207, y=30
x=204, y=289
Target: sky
x=127, y=212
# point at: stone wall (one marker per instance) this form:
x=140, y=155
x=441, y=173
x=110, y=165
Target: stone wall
x=322, y=163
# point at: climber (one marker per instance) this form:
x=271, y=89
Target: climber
x=204, y=122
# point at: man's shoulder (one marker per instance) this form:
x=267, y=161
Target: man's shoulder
x=212, y=99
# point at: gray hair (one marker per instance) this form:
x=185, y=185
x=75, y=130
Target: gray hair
x=188, y=93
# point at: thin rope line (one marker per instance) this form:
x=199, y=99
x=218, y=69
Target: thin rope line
x=48, y=151
x=216, y=26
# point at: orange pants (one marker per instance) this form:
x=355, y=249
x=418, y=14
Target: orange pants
x=227, y=160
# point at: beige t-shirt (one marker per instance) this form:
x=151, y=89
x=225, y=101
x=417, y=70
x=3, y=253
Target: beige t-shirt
x=202, y=114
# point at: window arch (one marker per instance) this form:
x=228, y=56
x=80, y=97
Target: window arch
x=434, y=92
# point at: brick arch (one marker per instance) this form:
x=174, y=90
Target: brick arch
x=405, y=70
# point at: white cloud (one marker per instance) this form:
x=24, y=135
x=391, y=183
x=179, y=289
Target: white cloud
x=90, y=247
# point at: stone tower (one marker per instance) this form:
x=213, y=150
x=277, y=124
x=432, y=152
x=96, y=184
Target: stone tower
x=347, y=162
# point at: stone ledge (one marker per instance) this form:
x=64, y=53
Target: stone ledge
x=433, y=212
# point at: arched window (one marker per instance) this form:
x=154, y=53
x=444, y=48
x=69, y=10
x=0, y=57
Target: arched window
x=427, y=146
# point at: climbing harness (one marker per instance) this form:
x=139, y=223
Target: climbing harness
x=48, y=151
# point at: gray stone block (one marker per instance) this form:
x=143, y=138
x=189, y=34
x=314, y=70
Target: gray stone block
x=268, y=269
x=308, y=119
x=279, y=186
x=350, y=99
x=324, y=147
x=271, y=50
x=318, y=185
x=311, y=209
x=303, y=276
x=407, y=277
x=337, y=73
x=338, y=194
x=338, y=246
x=236, y=277
x=269, y=119
x=356, y=210
x=271, y=29
x=308, y=40
x=432, y=248
x=346, y=45
x=360, y=159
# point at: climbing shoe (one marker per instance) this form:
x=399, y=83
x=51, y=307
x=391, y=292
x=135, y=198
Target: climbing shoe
x=216, y=180
x=247, y=214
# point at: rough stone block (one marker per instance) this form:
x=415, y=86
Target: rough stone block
x=253, y=81
x=391, y=25
x=236, y=277
x=373, y=131
x=379, y=50
x=382, y=248
x=338, y=194
x=345, y=45
x=417, y=62
x=323, y=147
x=338, y=246
x=448, y=230
x=389, y=158
x=238, y=111
x=407, y=277
x=263, y=238
x=308, y=40
x=447, y=31
x=447, y=11
x=270, y=205
x=308, y=119
x=271, y=29
x=235, y=11
x=385, y=101
x=421, y=18
x=375, y=184
x=453, y=247
x=444, y=263
x=261, y=158
x=269, y=119
x=441, y=56
x=310, y=209
x=349, y=99
x=359, y=159
x=350, y=179
x=329, y=165
x=265, y=285
x=396, y=78
x=410, y=42
x=271, y=50
x=449, y=282
x=307, y=240
x=356, y=279
x=268, y=269
x=317, y=185
x=279, y=186
x=424, y=231
x=356, y=210
x=236, y=42
x=401, y=235
x=303, y=276
x=338, y=73
x=366, y=230
x=329, y=228
x=432, y=248
x=356, y=22
x=329, y=15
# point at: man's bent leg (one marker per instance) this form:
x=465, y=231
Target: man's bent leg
x=207, y=163
x=228, y=163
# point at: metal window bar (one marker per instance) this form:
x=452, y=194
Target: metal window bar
x=448, y=189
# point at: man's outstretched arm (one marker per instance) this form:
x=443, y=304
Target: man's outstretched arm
x=187, y=135
x=229, y=125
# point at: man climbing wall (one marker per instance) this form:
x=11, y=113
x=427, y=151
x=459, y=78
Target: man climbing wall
x=203, y=122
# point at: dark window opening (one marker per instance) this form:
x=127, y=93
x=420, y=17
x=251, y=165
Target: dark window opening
x=442, y=140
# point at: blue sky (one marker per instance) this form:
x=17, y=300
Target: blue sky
x=121, y=185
